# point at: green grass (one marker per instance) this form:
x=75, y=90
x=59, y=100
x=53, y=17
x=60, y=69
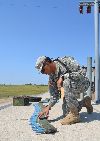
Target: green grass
x=17, y=90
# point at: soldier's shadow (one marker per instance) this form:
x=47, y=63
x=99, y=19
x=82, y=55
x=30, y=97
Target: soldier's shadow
x=56, y=119
x=84, y=117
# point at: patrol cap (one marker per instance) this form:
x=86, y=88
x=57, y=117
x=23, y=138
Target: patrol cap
x=40, y=62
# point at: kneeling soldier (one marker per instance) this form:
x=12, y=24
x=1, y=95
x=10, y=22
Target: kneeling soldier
x=65, y=72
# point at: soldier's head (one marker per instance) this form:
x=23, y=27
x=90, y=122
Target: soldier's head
x=45, y=65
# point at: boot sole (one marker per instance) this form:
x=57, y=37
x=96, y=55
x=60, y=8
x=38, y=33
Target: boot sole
x=73, y=122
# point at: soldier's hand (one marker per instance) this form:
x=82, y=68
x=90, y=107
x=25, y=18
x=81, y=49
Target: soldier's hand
x=59, y=83
x=44, y=112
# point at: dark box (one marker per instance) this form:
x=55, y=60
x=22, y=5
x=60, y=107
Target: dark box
x=34, y=99
x=20, y=101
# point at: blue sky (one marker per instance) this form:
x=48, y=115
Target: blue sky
x=31, y=28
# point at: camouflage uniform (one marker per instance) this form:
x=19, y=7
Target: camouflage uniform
x=74, y=83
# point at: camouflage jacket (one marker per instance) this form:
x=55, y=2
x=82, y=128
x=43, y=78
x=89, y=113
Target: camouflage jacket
x=66, y=66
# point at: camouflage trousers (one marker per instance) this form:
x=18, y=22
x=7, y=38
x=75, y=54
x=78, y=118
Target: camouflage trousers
x=73, y=87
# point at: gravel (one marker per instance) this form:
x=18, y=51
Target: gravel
x=14, y=125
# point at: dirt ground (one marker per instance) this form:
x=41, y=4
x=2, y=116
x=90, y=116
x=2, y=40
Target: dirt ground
x=5, y=100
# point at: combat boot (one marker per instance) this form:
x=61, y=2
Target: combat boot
x=87, y=104
x=71, y=118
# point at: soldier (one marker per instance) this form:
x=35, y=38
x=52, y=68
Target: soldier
x=65, y=72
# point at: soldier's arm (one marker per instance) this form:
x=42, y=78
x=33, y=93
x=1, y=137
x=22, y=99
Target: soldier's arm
x=54, y=93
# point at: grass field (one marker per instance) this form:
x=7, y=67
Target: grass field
x=17, y=90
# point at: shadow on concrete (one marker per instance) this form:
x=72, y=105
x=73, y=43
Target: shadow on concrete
x=84, y=117
x=5, y=106
x=28, y=104
x=56, y=119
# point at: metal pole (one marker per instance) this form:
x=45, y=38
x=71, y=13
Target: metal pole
x=89, y=74
x=96, y=14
